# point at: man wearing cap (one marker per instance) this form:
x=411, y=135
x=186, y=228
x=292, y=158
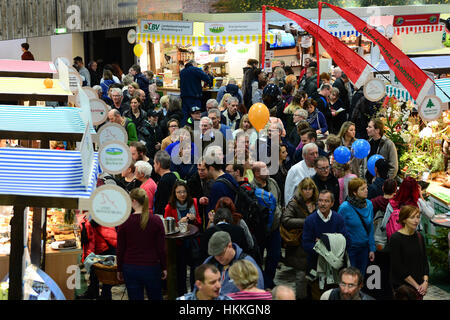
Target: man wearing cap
x=196, y=115
x=191, y=92
x=223, y=253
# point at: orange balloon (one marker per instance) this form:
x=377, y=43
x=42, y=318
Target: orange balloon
x=258, y=115
x=48, y=83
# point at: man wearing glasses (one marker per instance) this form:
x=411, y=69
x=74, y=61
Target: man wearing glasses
x=325, y=180
x=349, y=287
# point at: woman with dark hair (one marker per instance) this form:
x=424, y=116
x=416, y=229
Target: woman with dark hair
x=336, y=104
x=409, y=263
x=284, y=166
x=139, y=117
x=184, y=209
x=128, y=179
x=316, y=119
x=287, y=93
x=141, y=250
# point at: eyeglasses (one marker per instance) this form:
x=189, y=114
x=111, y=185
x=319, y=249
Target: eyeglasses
x=348, y=285
x=323, y=168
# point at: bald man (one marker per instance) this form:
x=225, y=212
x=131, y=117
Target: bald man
x=115, y=117
x=283, y=293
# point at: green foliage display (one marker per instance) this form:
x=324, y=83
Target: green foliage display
x=438, y=250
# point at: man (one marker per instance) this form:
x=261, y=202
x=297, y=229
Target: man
x=153, y=143
x=322, y=98
x=274, y=133
x=247, y=81
x=325, y=180
x=340, y=82
x=231, y=114
x=214, y=165
x=311, y=81
x=223, y=253
x=349, y=287
x=273, y=240
x=138, y=151
x=294, y=136
x=323, y=220
x=207, y=284
x=381, y=174
x=93, y=72
x=195, y=116
x=215, y=116
x=200, y=186
x=307, y=136
x=117, y=101
x=115, y=117
x=78, y=62
x=140, y=79
x=26, y=55
x=191, y=92
x=165, y=185
x=380, y=144
x=238, y=172
x=282, y=292
x=143, y=172
x=301, y=170
x=231, y=88
x=223, y=221
x=147, y=104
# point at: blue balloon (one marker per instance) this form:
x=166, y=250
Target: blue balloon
x=361, y=148
x=371, y=163
x=342, y=155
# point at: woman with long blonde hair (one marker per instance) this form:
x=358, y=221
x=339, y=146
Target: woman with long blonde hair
x=141, y=250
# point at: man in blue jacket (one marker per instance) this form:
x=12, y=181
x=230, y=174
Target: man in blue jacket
x=191, y=87
x=223, y=253
x=324, y=220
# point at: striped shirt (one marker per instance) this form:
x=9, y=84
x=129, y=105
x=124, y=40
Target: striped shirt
x=247, y=295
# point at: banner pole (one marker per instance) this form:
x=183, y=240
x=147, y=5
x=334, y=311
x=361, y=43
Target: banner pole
x=263, y=39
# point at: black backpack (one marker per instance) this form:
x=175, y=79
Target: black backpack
x=254, y=214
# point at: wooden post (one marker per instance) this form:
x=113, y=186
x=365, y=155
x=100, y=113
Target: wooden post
x=16, y=254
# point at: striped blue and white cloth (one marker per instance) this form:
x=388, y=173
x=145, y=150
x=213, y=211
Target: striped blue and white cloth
x=403, y=94
x=42, y=119
x=45, y=173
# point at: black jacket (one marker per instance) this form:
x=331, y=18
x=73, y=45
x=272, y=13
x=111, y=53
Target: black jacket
x=332, y=184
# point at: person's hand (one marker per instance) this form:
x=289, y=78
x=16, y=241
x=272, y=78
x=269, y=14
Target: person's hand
x=333, y=113
x=211, y=215
x=190, y=216
x=183, y=220
x=164, y=275
x=319, y=131
x=204, y=201
x=371, y=256
x=120, y=276
x=423, y=288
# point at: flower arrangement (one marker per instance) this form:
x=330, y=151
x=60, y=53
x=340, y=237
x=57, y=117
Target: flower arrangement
x=419, y=144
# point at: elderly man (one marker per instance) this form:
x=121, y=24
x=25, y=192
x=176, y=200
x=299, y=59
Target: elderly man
x=117, y=101
x=231, y=88
x=272, y=242
x=213, y=104
x=191, y=92
x=308, y=135
x=294, y=136
x=349, y=287
x=231, y=114
x=301, y=170
x=207, y=284
x=162, y=163
x=205, y=136
x=114, y=116
x=214, y=115
x=282, y=292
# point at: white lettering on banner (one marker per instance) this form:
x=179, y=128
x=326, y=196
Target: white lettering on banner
x=167, y=27
x=74, y=280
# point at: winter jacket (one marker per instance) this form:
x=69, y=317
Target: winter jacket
x=311, y=85
x=143, y=82
x=233, y=124
x=387, y=149
x=191, y=82
x=98, y=238
x=172, y=212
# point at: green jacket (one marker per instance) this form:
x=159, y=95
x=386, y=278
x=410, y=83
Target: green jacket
x=131, y=130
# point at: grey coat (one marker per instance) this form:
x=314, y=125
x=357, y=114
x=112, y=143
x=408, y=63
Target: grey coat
x=294, y=217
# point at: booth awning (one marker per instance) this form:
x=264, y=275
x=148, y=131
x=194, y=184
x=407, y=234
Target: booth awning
x=403, y=95
x=419, y=29
x=445, y=85
x=198, y=41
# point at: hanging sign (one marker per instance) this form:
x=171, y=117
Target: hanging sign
x=167, y=27
x=112, y=132
x=431, y=108
x=114, y=157
x=110, y=205
x=99, y=111
x=416, y=20
x=232, y=28
x=374, y=90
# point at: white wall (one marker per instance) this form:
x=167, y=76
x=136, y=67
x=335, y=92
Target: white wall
x=417, y=42
x=40, y=47
x=237, y=56
x=11, y=49
x=67, y=45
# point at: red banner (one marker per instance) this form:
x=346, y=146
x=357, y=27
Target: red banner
x=353, y=65
x=408, y=73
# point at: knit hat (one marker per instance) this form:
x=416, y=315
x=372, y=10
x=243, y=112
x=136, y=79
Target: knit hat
x=218, y=242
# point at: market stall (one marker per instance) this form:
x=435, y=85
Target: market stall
x=27, y=68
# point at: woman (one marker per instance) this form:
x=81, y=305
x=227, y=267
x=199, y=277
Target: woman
x=289, y=112
x=336, y=104
x=184, y=209
x=292, y=80
x=258, y=91
x=284, y=166
x=316, y=119
x=409, y=263
x=245, y=276
x=409, y=193
x=172, y=125
x=357, y=212
x=129, y=92
x=174, y=111
x=139, y=117
x=344, y=175
x=141, y=250
x=223, y=105
x=246, y=126
x=128, y=179
x=347, y=135
x=299, y=207
x=332, y=143
x=107, y=81
x=287, y=93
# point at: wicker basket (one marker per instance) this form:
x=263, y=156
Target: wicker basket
x=106, y=274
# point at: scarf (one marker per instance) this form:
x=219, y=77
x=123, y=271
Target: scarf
x=357, y=202
x=183, y=207
x=312, y=116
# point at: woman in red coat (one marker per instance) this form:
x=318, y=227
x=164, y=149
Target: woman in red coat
x=184, y=208
x=98, y=240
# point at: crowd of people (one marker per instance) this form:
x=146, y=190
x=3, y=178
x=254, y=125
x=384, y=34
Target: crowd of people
x=313, y=206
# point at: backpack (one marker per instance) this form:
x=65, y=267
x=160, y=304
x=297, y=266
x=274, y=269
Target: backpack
x=379, y=230
x=254, y=213
x=392, y=225
x=267, y=199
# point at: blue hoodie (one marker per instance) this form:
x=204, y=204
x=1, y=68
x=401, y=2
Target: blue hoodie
x=227, y=284
x=355, y=228
x=220, y=189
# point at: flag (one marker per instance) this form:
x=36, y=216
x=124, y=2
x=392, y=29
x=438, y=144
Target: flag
x=407, y=72
x=353, y=65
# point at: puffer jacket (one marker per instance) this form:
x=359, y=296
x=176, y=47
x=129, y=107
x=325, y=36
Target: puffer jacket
x=98, y=237
x=294, y=217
